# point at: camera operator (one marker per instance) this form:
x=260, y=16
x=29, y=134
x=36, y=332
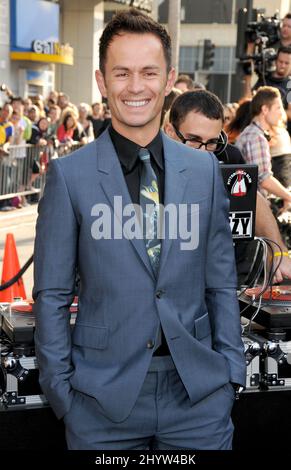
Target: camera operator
x=285, y=33
x=280, y=78
x=263, y=38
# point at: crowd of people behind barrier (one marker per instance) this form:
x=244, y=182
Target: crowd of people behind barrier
x=34, y=130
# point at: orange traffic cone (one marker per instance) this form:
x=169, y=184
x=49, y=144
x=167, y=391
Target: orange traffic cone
x=10, y=268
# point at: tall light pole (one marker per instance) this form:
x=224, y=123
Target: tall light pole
x=233, y=12
x=174, y=30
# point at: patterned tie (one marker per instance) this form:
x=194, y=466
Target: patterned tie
x=149, y=202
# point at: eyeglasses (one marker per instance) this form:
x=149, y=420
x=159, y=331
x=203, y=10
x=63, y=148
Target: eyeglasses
x=211, y=145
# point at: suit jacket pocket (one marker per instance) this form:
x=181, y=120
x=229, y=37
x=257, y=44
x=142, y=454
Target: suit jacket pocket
x=90, y=336
x=202, y=326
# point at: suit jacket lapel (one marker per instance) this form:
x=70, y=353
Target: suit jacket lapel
x=175, y=184
x=113, y=184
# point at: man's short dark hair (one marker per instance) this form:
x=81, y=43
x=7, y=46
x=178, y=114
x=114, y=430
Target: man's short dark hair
x=284, y=50
x=199, y=101
x=287, y=17
x=265, y=95
x=135, y=22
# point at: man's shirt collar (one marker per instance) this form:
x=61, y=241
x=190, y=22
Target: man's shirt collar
x=127, y=150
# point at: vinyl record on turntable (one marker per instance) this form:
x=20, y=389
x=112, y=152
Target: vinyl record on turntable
x=22, y=308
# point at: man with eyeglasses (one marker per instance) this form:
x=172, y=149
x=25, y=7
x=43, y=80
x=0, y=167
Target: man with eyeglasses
x=196, y=119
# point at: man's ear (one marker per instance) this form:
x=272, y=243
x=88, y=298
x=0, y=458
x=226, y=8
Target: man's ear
x=170, y=81
x=264, y=109
x=101, y=83
x=169, y=130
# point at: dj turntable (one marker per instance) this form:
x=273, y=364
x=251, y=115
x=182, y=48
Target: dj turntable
x=18, y=325
x=19, y=387
x=18, y=322
x=274, y=308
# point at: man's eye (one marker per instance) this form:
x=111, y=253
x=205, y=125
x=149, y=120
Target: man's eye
x=121, y=75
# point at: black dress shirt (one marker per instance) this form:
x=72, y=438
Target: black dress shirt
x=127, y=152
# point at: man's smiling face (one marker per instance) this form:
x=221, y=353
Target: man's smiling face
x=135, y=81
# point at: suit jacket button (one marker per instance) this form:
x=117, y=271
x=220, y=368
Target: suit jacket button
x=159, y=294
x=150, y=344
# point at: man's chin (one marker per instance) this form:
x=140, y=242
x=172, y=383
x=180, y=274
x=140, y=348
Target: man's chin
x=138, y=122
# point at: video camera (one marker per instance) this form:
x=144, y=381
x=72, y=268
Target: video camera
x=262, y=34
x=263, y=27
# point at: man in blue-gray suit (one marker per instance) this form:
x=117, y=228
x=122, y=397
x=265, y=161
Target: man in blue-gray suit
x=155, y=354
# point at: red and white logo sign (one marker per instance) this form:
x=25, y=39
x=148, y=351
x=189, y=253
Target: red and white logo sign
x=239, y=183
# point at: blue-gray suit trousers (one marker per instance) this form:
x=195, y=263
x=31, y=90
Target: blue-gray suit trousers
x=162, y=418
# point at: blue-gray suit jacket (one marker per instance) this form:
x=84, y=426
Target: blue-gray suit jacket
x=106, y=355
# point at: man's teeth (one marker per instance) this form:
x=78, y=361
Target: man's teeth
x=136, y=103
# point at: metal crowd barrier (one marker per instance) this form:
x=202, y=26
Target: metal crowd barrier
x=23, y=170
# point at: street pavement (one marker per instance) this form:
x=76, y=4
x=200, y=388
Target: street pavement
x=21, y=223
